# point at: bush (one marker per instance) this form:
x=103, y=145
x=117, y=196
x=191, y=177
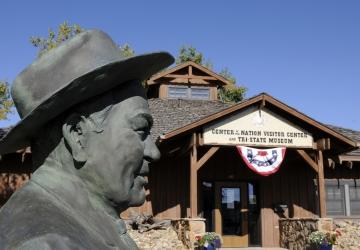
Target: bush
x=324, y=238
x=208, y=239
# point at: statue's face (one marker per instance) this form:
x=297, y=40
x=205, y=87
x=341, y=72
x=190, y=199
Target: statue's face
x=118, y=157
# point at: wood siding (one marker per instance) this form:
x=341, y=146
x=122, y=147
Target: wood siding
x=168, y=189
x=292, y=185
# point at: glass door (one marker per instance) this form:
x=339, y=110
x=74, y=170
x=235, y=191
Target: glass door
x=231, y=213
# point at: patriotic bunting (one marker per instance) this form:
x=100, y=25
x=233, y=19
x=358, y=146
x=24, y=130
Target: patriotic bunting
x=262, y=161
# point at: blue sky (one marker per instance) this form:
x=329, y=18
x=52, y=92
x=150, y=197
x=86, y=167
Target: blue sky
x=304, y=53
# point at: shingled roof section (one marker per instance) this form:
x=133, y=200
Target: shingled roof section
x=352, y=134
x=172, y=114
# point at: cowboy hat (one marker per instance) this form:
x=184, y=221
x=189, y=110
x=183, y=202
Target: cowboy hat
x=82, y=67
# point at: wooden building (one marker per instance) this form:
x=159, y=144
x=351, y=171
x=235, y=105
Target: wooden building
x=202, y=175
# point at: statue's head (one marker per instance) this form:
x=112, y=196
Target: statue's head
x=83, y=107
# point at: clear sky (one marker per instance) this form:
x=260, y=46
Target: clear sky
x=305, y=53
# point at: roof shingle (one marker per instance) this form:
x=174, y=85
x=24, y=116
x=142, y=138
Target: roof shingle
x=172, y=114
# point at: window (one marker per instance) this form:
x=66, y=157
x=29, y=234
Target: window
x=185, y=92
x=178, y=92
x=354, y=197
x=335, y=200
x=200, y=93
x=343, y=197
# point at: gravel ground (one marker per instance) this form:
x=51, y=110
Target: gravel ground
x=166, y=239
x=350, y=235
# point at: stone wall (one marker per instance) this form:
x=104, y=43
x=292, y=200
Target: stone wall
x=294, y=233
x=182, y=228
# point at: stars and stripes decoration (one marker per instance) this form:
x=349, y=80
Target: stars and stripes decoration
x=262, y=161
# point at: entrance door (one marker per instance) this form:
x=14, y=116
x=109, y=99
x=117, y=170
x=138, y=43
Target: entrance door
x=231, y=213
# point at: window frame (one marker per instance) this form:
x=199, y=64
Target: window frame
x=189, y=91
x=178, y=87
x=345, y=184
x=201, y=88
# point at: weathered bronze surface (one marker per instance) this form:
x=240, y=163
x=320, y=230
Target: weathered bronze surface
x=86, y=114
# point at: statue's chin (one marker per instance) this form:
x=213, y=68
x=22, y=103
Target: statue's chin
x=137, y=198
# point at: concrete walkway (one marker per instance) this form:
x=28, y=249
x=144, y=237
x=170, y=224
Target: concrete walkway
x=254, y=248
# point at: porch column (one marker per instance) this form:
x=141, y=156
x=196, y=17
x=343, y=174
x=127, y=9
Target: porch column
x=193, y=179
x=195, y=165
x=321, y=184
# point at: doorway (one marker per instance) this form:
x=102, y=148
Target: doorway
x=237, y=213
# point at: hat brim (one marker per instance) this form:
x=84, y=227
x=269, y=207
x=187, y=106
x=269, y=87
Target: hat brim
x=93, y=83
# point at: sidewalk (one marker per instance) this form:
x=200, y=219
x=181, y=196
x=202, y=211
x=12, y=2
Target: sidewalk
x=254, y=248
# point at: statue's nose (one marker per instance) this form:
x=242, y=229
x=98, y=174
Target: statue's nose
x=152, y=152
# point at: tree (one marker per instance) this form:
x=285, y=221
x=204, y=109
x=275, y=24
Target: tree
x=225, y=72
x=126, y=50
x=189, y=53
x=5, y=100
x=64, y=32
x=229, y=93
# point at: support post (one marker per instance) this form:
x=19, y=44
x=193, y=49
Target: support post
x=193, y=179
x=195, y=165
x=321, y=184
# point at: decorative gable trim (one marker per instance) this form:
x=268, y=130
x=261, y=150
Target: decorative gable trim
x=173, y=75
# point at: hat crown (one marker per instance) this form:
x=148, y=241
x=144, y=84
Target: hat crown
x=58, y=67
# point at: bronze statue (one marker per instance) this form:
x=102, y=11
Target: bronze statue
x=85, y=113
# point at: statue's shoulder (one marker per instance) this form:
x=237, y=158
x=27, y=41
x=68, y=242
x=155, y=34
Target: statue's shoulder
x=32, y=217
x=50, y=241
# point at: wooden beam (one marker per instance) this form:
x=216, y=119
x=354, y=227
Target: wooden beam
x=331, y=163
x=190, y=70
x=206, y=157
x=262, y=104
x=190, y=77
x=323, y=144
x=321, y=184
x=193, y=179
x=200, y=139
x=308, y=159
x=195, y=165
x=180, y=80
x=198, y=81
x=353, y=158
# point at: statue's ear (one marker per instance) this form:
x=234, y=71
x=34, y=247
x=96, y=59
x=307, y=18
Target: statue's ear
x=73, y=132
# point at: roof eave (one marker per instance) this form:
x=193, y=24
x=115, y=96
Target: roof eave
x=261, y=97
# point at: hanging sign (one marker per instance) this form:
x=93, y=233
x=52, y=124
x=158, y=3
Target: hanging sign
x=262, y=161
x=258, y=128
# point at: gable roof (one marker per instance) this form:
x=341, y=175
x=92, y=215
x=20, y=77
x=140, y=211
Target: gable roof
x=207, y=74
x=355, y=135
x=267, y=100
x=170, y=114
